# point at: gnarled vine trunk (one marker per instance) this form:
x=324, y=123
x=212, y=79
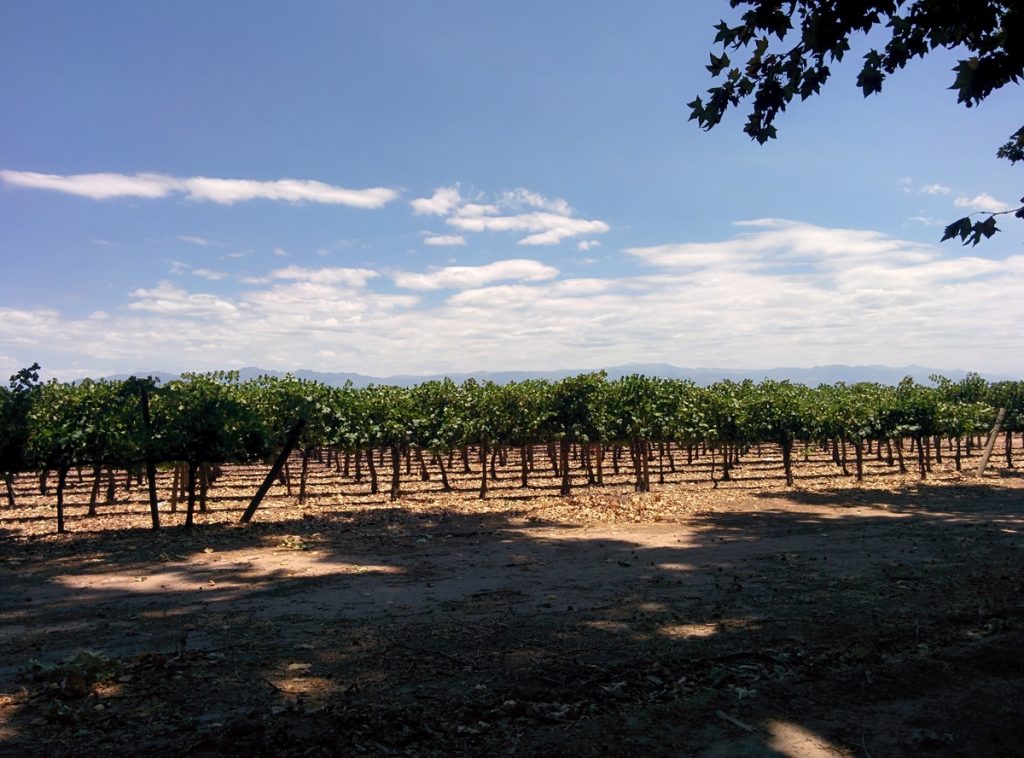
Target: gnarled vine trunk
x=483, y=470
x=396, y=473
x=62, y=476
x=787, y=460
x=189, y=513
x=564, y=466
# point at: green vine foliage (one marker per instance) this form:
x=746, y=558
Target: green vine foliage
x=16, y=401
x=213, y=418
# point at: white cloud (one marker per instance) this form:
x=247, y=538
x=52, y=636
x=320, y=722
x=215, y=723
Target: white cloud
x=349, y=277
x=170, y=300
x=546, y=228
x=587, y=244
x=228, y=191
x=281, y=252
x=440, y=203
x=766, y=223
x=982, y=202
x=444, y=240
x=773, y=292
x=779, y=243
x=524, y=197
x=466, y=277
x=200, y=188
x=907, y=185
x=201, y=241
x=470, y=210
x=95, y=186
x=213, y=276
x=927, y=220
x=547, y=221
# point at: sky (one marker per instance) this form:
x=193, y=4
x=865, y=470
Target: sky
x=408, y=187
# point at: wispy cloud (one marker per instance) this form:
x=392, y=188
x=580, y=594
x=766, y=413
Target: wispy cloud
x=200, y=188
x=982, y=202
x=587, y=244
x=467, y=277
x=444, y=240
x=908, y=185
x=350, y=277
x=201, y=241
x=547, y=221
x=778, y=243
x=96, y=186
x=212, y=276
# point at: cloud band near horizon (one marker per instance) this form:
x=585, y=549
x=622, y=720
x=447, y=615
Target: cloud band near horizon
x=774, y=292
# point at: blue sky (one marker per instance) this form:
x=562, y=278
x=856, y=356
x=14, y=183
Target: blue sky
x=408, y=187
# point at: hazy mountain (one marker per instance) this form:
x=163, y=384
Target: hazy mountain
x=809, y=376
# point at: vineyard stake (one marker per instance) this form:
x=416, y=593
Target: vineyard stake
x=991, y=441
x=293, y=437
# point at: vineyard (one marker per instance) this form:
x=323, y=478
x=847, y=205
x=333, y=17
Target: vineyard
x=580, y=431
x=585, y=567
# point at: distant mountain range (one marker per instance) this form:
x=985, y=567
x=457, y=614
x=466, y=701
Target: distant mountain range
x=703, y=376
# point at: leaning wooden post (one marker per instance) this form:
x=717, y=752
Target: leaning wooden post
x=275, y=470
x=991, y=441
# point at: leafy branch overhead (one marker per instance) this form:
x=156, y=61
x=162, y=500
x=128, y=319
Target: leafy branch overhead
x=776, y=72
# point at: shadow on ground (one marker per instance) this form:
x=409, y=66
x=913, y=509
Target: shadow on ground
x=800, y=623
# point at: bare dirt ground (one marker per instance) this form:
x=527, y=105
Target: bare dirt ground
x=832, y=619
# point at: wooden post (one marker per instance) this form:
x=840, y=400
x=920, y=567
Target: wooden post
x=275, y=470
x=991, y=441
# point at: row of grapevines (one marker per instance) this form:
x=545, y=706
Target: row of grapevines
x=203, y=419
